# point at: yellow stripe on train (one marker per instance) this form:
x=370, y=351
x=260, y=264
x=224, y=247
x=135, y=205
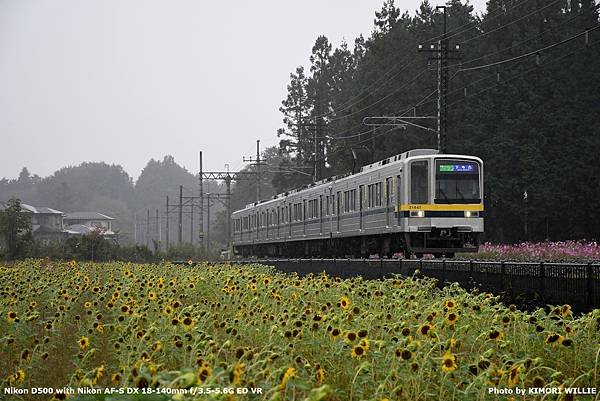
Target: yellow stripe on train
x=442, y=207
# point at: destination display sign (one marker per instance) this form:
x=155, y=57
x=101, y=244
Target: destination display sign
x=458, y=168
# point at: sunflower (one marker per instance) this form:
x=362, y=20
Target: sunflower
x=190, y=262
x=344, y=302
x=565, y=311
x=115, y=378
x=450, y=303
x=425, y=329
x=287, y=375
x=496, y=335
x=358, y=351
x=87, y=305
x=204, y=371
x=538, y=382
x=404, y=354
x=449, y=362
x=11, y=316
x=365, y=343
x=351, y=336
x=188, y=322
x=84, y=342
x=320, y=374
x=513, y=375
x=335, y=333
x=151, y=295
x=235, y=376
x=451, y=318
x=167, y=310
x=72, y=263
x=17, y=377
x=554, y=339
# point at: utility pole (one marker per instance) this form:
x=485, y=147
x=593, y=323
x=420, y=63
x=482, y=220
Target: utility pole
x=167, y=227
x=180, y=230
x=157, y=226
x=441, y=50
x=201, y=196
x=208, y=223
x=192, y=223
x=257, y=163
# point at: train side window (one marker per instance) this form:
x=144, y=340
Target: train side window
x=304, y=209
x=378, y=194
x=361, y=197
x=419, y=182
x=346, y=201
x=388, y=190
x=320, y=206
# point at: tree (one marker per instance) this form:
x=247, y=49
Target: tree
x=15, y=228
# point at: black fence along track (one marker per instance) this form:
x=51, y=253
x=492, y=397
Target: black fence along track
x=526, y=284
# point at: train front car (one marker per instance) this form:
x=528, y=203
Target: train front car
x=442, y=211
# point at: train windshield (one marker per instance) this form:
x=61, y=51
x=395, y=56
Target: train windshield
x=457, y=181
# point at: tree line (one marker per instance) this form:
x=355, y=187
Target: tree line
x=535, y=121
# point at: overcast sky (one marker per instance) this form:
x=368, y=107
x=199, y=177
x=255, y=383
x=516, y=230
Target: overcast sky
x=123, y=81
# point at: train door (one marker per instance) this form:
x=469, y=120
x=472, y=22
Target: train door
x=361, y=196
x=398, y=197
x=338, y=209
x=389, y=210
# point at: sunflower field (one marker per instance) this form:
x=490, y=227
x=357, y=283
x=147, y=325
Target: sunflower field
x=164, y=326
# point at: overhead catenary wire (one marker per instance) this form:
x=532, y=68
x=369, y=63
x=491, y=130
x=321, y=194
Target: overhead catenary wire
x=354, y=100
x=464, y=98
x=528, y=54
x=545, y=31
x=511, y=22
x=489, y=16
x=413, y=80
x=537, y=66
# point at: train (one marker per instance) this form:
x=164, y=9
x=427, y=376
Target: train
x=415, y=203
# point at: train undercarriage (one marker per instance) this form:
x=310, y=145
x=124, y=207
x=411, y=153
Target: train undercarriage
x=439, y=243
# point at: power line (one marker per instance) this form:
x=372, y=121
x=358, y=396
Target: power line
x=489, y=17
x=511, y=22
x=360, y=98
x=517, y=76
x=559, y=24
x=383, y=98
x=535, y=52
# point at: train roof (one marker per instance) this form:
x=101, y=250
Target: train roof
x=397, y=159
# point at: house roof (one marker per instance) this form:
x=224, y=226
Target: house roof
x=87, y=216
x=83, y=229
x=33, y=209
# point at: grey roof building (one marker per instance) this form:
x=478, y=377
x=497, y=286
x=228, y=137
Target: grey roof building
x=46, y=223
x=86, y=222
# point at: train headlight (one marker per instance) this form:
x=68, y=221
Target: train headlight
x=417, y=213
x=468, y=214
